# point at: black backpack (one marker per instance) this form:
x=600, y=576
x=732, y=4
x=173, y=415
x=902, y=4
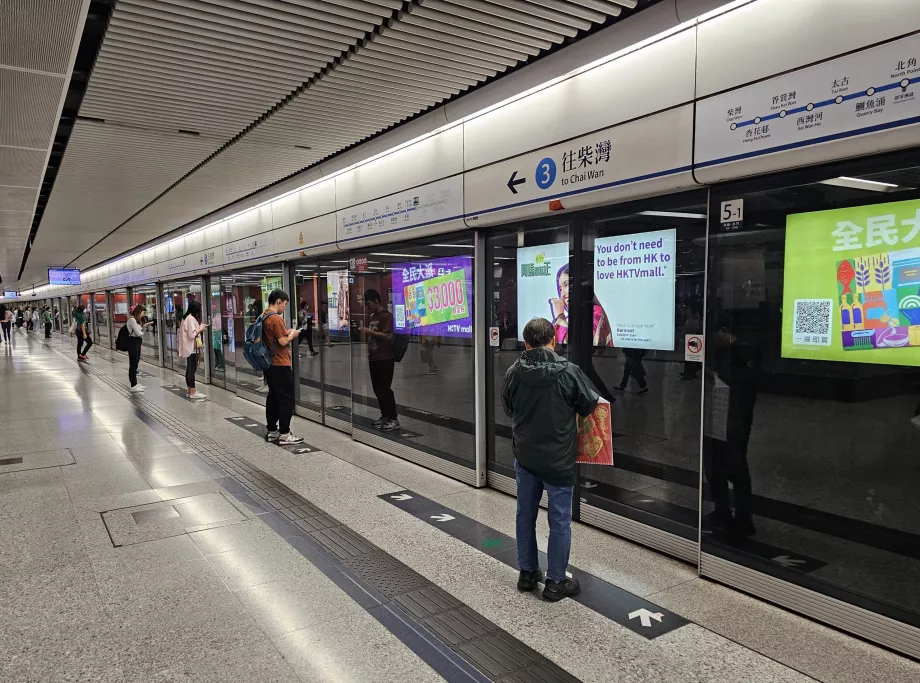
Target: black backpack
x=400, y=346
x=121, y=341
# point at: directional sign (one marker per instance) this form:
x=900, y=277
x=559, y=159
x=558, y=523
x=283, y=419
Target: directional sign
x=514, y=181
x=645, y=616
x=401, y=496
x=444, y=517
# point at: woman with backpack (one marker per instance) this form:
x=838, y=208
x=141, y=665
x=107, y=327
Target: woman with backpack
x=190, y=343
x=135, y=336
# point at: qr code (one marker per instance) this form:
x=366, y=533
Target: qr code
x=813, y=322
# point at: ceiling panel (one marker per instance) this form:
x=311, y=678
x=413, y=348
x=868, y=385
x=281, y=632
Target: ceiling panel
x=279, y=85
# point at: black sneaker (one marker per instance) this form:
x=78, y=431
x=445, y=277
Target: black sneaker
x=620, y=387
x=554, y=592
x=390, y=426
x=378, y=423
x=642, y=392
x=528, y=580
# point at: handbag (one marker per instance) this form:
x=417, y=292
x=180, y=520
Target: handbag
x=73, y=327
x=199, y=342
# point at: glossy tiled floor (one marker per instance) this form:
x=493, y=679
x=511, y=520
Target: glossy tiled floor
x=132, y=551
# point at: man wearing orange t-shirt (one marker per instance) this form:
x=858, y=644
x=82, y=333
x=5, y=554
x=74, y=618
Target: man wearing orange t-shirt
x=279, y=402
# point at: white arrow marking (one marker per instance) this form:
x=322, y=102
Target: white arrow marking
x=444, y=517
x=787, y=561
x=236, y=418
x=401, y=496
x=301, y=450
x=252, y=425
x=589, y=485
x=645, y=617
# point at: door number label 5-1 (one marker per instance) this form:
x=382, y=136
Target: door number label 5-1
x=731, y=214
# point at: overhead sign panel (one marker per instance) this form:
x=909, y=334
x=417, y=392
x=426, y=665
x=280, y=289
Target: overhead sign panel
x=64, y=276
x=865, y=92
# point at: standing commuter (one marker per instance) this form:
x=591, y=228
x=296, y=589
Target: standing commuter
x=6, y=322
x=19, y=318
x=82, y=331
x=279, y=402
x=36, y=318
x=542, y=393
x=380, y=359
x=46, y=318
x=27, y=317
x=135, y=338
x=633, y=367
x=190, y=343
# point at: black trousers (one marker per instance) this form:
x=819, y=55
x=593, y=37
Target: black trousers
x=47, y=330
x=81, y=340
x=279, y=402
x=134, y=358
x=191, y=364
x=727, y=463
x=7, y=326
x=382, y=381
x=634, y=368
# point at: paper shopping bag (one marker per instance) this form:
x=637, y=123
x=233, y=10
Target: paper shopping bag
x=595, y=436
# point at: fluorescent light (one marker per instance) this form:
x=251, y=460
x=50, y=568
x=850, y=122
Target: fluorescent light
x=860, y=184
x=453, y=246
x=672, y=214
x=401, y=255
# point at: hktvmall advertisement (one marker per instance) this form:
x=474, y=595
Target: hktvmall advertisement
x=433, y=297
x=852, y=284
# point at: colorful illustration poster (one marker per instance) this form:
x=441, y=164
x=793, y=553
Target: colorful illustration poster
x=269, y=284
x=434, y=297
x=337, y=294
x=634, y=278
x=852, y=284
x=543, y=287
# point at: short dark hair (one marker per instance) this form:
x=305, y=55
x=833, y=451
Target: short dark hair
x=276, y=296
x=538, y=332
x=372, y=296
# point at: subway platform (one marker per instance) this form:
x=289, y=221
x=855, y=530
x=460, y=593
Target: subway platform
x=144, y=538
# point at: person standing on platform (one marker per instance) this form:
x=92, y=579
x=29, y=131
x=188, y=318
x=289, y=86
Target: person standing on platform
x=46, y=318
x=279, y=402
x=190, y=343
x=633, y=367
x=135, y=338
x=6, y=322
x=36, y=318
x=542, y=393
x=380, y=359
x=82, y=332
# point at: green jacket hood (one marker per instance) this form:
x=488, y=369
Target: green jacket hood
x=540, y=367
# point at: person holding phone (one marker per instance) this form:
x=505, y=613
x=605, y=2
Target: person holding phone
x=190, y=343
x=136, y=328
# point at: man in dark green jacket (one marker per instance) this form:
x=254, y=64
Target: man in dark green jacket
x=542, y=393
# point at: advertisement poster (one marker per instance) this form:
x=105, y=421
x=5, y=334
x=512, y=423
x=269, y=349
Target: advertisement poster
x=852, y=284
x=434, y=297
x=543, y=287
x=269, y=284
x=337, y=293
x=634, y=278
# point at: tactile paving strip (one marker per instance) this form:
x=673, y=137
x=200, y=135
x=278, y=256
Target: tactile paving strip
x=493, y=652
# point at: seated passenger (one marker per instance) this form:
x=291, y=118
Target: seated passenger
x=542, y=393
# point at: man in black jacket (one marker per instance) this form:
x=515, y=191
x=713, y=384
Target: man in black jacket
x=542, y=393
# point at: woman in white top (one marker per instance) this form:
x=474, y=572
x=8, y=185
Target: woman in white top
x=135, y=336
x=36, y=319
x=189, y=344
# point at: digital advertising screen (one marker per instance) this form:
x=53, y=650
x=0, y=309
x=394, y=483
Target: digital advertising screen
x=433, y=297
x=337, y=295
x=64, y=276
x=543, y=287
x=634, y=281
x=851, y=287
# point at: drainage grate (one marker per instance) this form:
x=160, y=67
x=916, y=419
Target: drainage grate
x=493, y=652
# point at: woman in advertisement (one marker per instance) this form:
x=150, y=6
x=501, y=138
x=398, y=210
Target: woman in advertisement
x=559, y=313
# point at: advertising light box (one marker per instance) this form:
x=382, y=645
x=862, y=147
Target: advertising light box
x=852, y=284
x=634, y=279
x=337, y=296
x=433, y=297
x=64, y=276
x=543, y=287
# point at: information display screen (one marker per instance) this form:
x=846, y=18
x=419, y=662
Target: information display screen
x=634, y=279
x=852, y=284
x=433, y=297
x=64, y=276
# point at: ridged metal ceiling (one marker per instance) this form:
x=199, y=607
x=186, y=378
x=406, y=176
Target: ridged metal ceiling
x=215, y=99
x=37, y=40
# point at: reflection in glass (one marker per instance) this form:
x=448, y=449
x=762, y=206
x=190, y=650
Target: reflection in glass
x=120, y=312
x=176, y=298
x=250, y=299
x=100, y=317
x=425, y=297
x=309, y=294
x=146, y=296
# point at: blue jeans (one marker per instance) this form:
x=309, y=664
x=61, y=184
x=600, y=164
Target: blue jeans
x=529, y=491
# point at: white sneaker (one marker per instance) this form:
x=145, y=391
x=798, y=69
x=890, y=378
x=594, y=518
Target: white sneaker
x=272, y=436
x=289, y=438
x=137, y=389
x=196, y=396
x=263, y=389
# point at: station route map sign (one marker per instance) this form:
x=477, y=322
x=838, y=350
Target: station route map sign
x=434, y=297
x=875, y=87
x=852, y=284
x=634, y=281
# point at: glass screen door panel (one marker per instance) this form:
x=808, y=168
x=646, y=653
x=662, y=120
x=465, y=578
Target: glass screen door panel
x=334, y=316
x=307, y=285
x=146, y=296
x=250, y=293
x=219, y=337
x=120, y=311
x=541, y=252
x=177, y=296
